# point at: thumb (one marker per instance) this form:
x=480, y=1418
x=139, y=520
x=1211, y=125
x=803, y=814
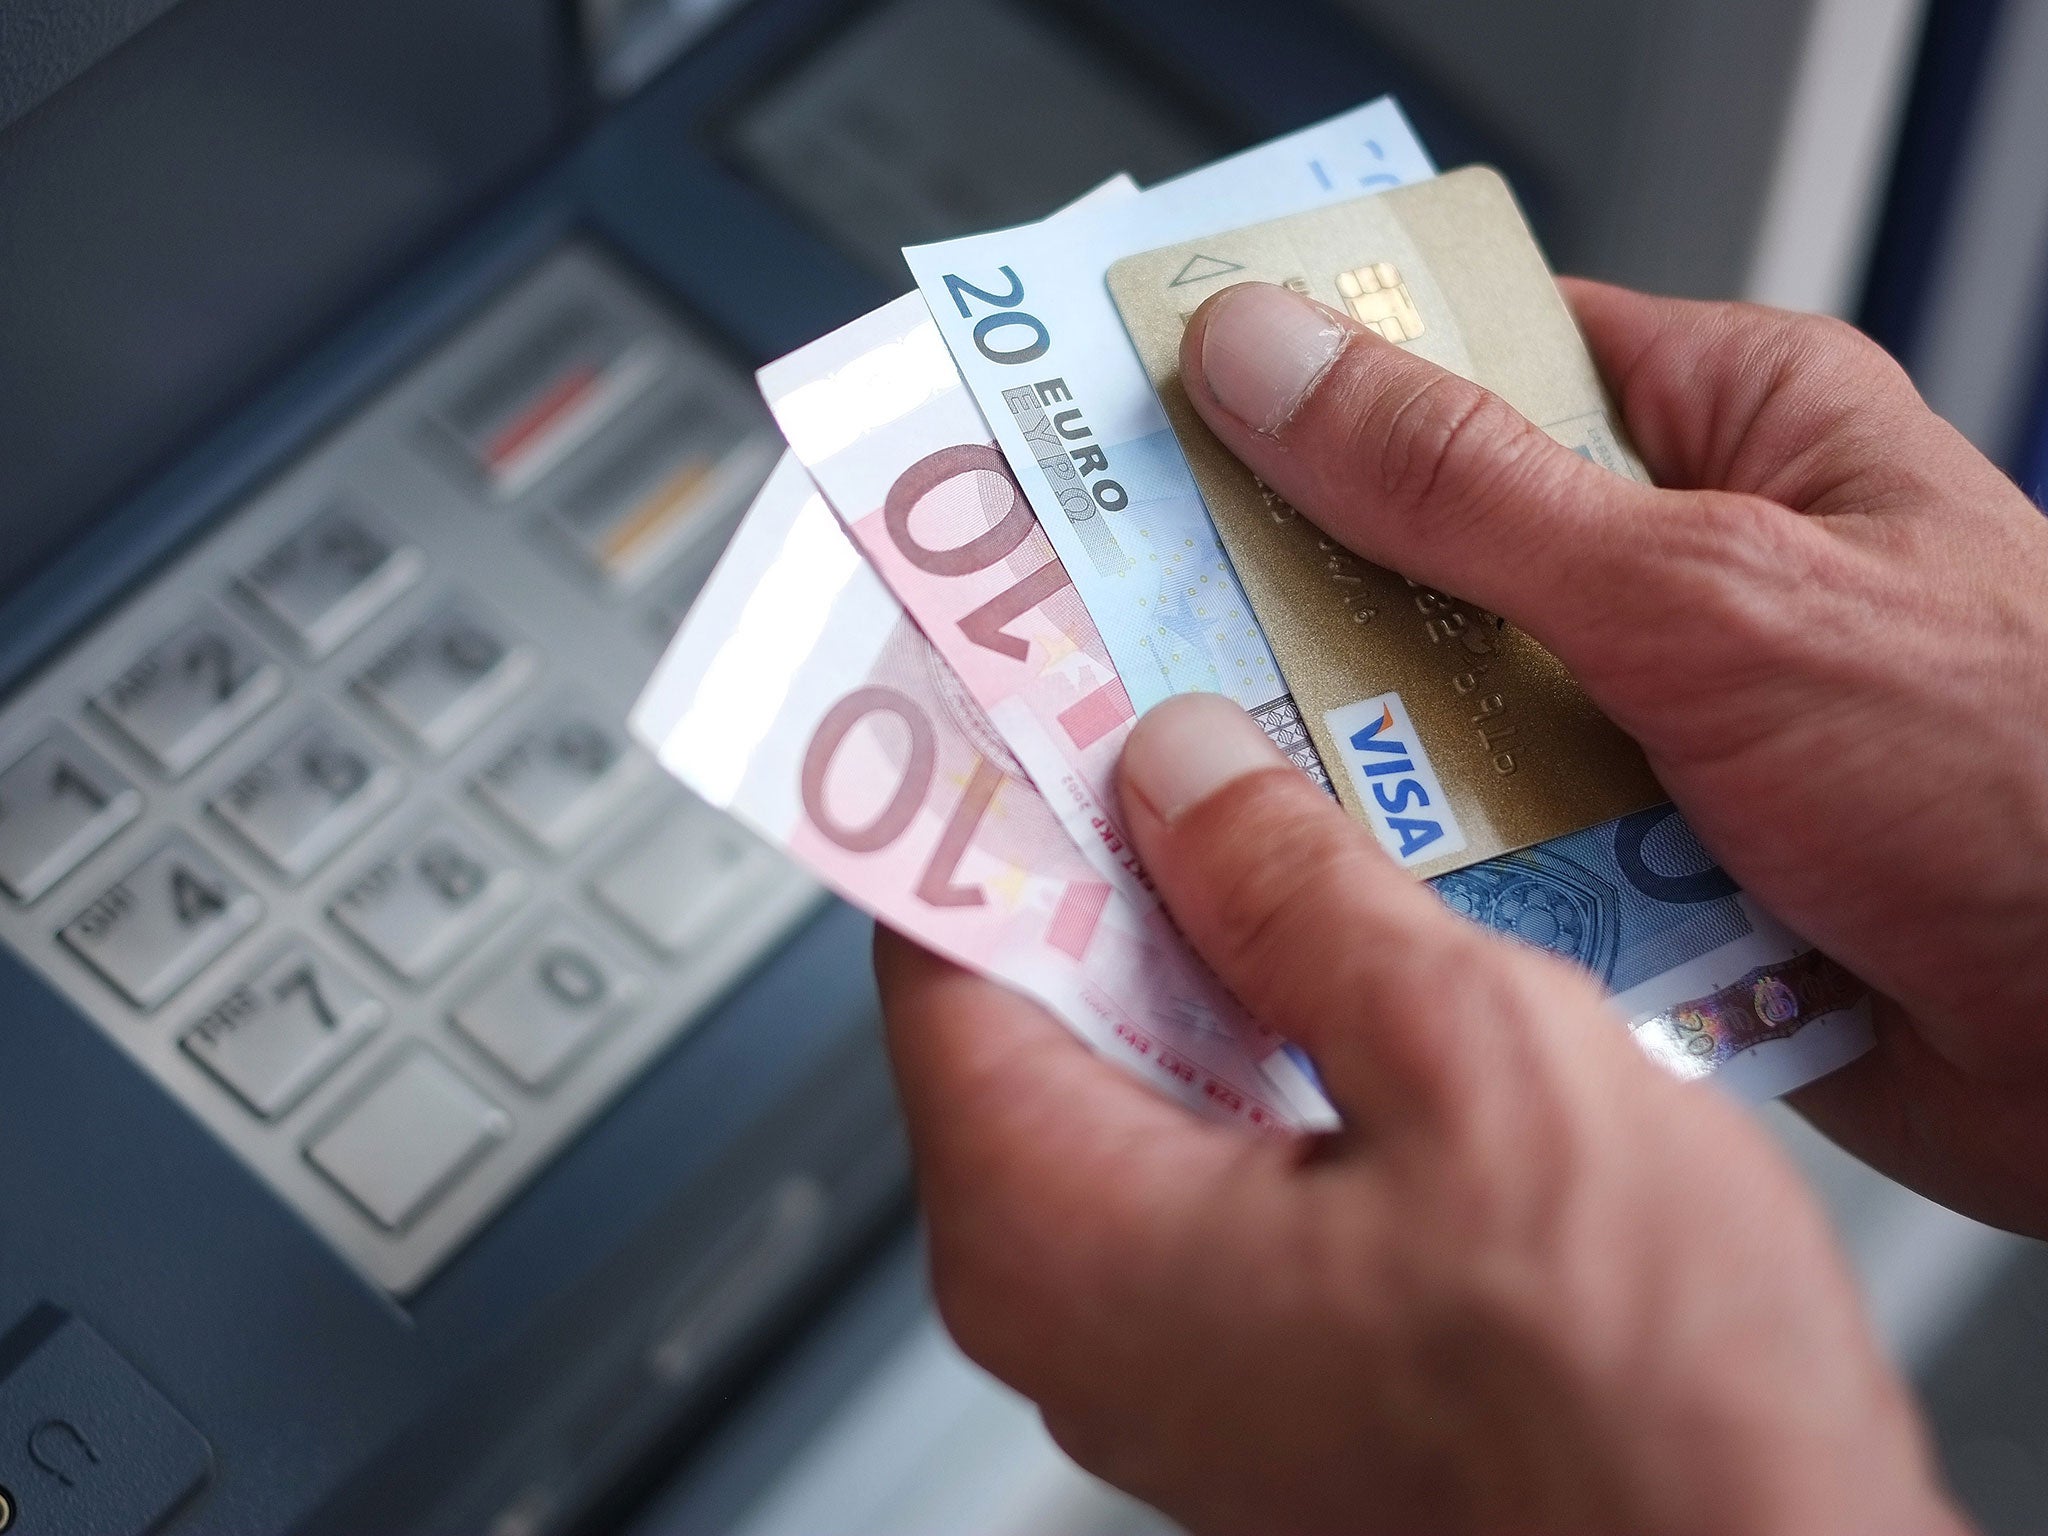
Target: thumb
x=1410, y=465
x=1406, y=1007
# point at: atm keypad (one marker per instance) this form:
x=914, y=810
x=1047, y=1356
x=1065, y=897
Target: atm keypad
x=276, y=1036
x=328, y=579
x=59, y=803
x=557, y=784
x=423, y=906
x=327, y=829
x=549, y=1001
x=160, y=924
x=305, y=800
x=188, y=693
x=445, y=678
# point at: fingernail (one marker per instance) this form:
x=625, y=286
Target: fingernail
x=1183, y=750
x=1263, y=350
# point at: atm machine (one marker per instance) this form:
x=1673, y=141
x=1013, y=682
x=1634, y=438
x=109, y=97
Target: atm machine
x=416, y=1113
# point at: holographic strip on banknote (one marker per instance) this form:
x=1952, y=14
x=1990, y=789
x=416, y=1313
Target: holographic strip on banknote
x=1772, y=1002
x=1644, y=907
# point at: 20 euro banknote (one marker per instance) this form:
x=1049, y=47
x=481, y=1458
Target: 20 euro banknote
x=1035, y=335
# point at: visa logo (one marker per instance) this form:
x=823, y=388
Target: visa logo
x=1403, y=797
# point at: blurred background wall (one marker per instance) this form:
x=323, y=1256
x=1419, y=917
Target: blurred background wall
x=1692, y=146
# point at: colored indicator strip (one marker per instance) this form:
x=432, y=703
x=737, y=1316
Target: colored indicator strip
x=650, y=523
x=548, y=394
x=561, y=400
x=1773, y=1002
x=644, y=496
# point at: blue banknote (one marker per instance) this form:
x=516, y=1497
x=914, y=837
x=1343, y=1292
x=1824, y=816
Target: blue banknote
x=1630, y=900
x=1707, y=980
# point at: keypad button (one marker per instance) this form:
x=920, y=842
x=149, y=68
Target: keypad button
x=278, y=1035
x=306, y=799
x=660, y=480
x=59, y=803
x=675, y=883
x=425, y=905
x=546, y=1003
x=328, y=580
x=163, y=922
x=545, y=392
x=556, y=785
x=189, y=693
x=446, y=678
x=408, y=1139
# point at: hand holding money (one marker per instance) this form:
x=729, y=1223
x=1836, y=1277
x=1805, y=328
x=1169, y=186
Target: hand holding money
x=1847, y=607
x=1535, y=1284
x=1047, y=540
x=1357, y=1371
x=1527, y=1277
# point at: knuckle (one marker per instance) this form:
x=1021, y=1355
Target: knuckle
x=1785, y=335
x=1021, y=1265
x=1753, y=577
x=1822, y=358
x=1519, y=1121
x=1437, y=443
x=1080, y=1437
x=1721, y=546
x=1119, y=1448
x=979, y=1221
x=1440, y=454
x=1413, y=431
x=1827, y=339
x=1279, y=859
x=1731, y=555
x=1475, y=992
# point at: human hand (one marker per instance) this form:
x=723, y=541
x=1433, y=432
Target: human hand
x=1533, y=1284
x=1829, y=633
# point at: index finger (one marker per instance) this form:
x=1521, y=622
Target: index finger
x=1048, y=1175
x=1000, y=1094
x=1739, y=397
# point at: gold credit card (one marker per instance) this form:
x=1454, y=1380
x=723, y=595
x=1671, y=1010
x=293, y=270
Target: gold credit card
x=1453, y=736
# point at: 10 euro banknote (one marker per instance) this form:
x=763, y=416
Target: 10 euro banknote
x=800, y=697
x=880, y=418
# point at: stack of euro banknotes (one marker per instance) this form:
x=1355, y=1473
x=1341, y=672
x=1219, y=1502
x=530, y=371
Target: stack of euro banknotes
x=1000, y=535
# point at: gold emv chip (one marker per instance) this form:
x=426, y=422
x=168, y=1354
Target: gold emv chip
x=1378, y=299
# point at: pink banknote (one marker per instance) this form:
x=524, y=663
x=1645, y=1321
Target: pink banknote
x=878, y=414
x=799, y=696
